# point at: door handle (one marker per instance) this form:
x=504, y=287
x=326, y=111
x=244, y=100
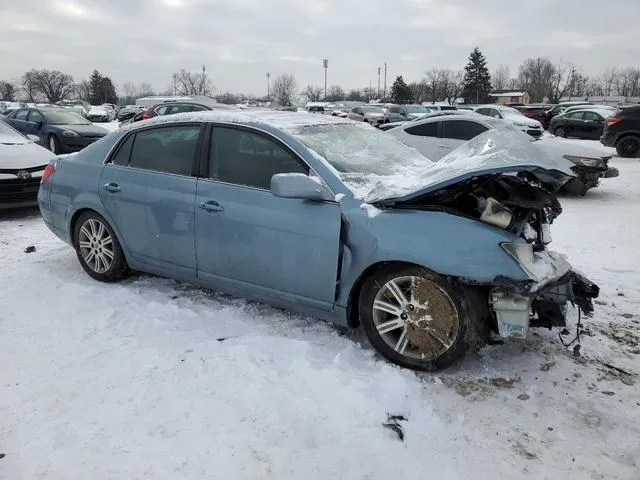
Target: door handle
x=112, y=187
x=211, y=206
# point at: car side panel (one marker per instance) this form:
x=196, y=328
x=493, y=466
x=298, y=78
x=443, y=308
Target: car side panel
x=444, y=243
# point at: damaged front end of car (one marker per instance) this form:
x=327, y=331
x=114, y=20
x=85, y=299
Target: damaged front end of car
x=499, y=182
x=588, y=172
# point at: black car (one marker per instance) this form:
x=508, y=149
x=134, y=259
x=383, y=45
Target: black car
x=127, y=113
x=622, y=131
x=546, y=118
x=584, y=123
x=172, y=107
x=58, y=129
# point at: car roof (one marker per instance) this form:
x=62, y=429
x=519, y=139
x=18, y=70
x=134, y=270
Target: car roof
x=277, y=119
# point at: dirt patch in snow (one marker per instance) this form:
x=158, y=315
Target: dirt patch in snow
x=479, y=388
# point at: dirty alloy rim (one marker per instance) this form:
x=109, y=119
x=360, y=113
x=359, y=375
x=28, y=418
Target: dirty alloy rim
x=416, y=317
x=629, y=146
x=560, y=132
x=96, y=245
x=52, y=144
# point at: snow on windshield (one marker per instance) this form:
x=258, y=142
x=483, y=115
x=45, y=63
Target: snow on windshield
x=361, y=154
x=376, y=166
x=511, y=113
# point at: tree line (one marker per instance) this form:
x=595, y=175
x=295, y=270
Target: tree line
x=543, y=79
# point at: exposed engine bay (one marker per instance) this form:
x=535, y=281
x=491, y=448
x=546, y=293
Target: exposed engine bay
x=514, y=203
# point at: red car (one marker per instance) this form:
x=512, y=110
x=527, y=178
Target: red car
x=537, y=112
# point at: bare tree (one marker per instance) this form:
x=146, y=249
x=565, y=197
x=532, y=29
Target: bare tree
x=51, y=84
x=129, y=89
x=313, y=93
x=433, y=84
x=501, y=77
x=284, y=89
x=145, y=89
x=608, y=80
x=335, y=93
x=418, y=91
x=451, y=85
x=192, y=83
x=82, y=90
x=627, y=82
x=7, y=91
x=536, y=76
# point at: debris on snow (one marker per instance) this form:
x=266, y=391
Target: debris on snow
x=30, y=249
x=393, y=423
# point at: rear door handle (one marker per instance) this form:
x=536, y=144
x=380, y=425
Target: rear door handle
x=211, y=206
x=112, y=187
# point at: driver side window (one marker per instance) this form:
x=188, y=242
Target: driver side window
x=35, y=116
x=22, y=114
x=243, y=157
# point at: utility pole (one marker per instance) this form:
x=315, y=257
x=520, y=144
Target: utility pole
x=203, y=87
x=378, y=82
x=325, y=64
x=268, y=86
x=385, y=81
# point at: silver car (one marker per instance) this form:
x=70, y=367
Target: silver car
x=436, y=137
x=514, y=117
x=367, y=113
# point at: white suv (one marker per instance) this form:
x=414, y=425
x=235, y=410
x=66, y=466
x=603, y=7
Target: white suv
x=513, y=116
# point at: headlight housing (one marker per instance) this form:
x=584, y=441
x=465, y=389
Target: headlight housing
x=587, y=162
x=70, y=133
x=523, y=254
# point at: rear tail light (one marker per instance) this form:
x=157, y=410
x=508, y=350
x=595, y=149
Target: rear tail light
x=146, y=115
x=613, y=120
x=48, y=172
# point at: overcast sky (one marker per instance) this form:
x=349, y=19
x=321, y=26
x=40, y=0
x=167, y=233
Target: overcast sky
x=240, y=40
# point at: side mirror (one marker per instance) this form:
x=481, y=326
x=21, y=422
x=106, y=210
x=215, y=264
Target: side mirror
x=34, y=138
x=298, y=185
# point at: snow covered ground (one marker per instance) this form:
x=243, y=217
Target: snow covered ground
x=154, y=379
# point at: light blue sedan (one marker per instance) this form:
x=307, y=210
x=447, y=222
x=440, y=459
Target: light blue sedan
x=327, y=217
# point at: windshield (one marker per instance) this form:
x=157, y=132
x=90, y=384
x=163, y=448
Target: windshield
x=64, y=118
x=361, y=154
x=511, y=113
x=416, y=109
x=10, y=136
x=373, y=110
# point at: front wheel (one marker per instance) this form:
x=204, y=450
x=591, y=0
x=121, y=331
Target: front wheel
x=417, y=319
x=628, y=147
x=98, y=249
x=54, y=144
x=560, y=132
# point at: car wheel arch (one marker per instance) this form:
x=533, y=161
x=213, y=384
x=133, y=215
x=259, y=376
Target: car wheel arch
x=76, y=214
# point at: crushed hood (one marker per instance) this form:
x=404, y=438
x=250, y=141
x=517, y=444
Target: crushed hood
x=492, y=152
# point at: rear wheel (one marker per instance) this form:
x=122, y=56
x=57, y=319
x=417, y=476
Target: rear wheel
x=417, y=319
x=628, y=147
x=98, y=249
x=560, y=132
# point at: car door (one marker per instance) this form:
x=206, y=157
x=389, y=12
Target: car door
x=357, y=114
x=574, y=124
x=255, y=244
x=593, y=125
x=35, y=125
x=148, y=188
x=423, y=137
x=20, y=121
x=455, y=132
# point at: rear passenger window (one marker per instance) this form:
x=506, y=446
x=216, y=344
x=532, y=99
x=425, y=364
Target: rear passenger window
x=166, y=149
x=424, y=130
x=462, y=129
x=179, y=109
x=123, y=153
x=246, y=158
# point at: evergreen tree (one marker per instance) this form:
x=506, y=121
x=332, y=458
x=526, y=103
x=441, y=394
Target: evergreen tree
x=400, y=91
x=95, y=82
x=108, y=91
x=477, y=79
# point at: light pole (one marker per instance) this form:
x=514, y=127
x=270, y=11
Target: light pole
x=385, y=80
x=268, y=86
x=325, y=64
x=378, y=82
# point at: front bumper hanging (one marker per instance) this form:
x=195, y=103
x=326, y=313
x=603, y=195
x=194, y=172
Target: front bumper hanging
x=515, y=312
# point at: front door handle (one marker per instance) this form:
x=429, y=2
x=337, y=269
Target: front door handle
x=112, y=187
x=211, y=206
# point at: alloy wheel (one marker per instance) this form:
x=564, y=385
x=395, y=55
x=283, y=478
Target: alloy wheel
x=52, y=144
x=96, y=245
x=629, y=146
x=416, y=317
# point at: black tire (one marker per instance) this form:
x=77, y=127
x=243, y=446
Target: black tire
x=117, y=268
x=628, y=147
x=560, y=132
x=53, y=144
x=470, y=332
